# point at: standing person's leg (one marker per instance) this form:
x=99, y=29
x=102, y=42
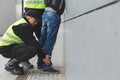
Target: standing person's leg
x=53, y=25
x=43, y=35
x=51, y=22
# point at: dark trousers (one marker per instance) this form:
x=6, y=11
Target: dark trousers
x=20, y=52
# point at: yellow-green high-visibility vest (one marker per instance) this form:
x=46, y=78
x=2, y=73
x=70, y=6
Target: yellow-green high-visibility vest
x=10, y=37
x=35, y=4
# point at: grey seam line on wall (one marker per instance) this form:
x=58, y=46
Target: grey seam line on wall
x=111, y=3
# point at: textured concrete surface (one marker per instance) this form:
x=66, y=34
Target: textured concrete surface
x=32, y=74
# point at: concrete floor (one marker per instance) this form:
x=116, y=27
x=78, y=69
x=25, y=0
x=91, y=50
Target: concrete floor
x=32, y=74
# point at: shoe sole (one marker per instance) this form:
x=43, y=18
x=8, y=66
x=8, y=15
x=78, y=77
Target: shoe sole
x=7, y=69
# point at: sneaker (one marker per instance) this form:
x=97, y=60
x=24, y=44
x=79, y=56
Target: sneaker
x=14, y=70
x=27, y=65
x=13, y=67
x=51, y=70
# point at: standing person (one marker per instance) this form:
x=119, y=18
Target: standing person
x=50, y=26
x=39, y=6
x=19, y=44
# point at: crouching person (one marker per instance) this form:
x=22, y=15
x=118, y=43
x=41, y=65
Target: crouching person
x=19, y=44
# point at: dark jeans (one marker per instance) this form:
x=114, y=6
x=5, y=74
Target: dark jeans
x=50, y=26
x=20, y=52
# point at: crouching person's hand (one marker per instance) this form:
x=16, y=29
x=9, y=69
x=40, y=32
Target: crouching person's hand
x=47, y=59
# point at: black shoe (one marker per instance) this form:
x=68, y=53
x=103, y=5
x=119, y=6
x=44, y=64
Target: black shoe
x=39, y=67
x=15, y=70
x=51, y=70
x=12, y=66
x=27, y=65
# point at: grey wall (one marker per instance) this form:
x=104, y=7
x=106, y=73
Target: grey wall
x=91, y=42
x=76, y=7
x=7, y=14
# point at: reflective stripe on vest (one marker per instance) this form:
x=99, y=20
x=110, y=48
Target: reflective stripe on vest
x=10, y=37
x=36, y=4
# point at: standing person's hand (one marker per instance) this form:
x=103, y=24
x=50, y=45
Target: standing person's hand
x=47, y=59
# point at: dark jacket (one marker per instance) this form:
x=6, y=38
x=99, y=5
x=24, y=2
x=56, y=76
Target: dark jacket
x=37, y=28
x=25, y=32
x=58, y=5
